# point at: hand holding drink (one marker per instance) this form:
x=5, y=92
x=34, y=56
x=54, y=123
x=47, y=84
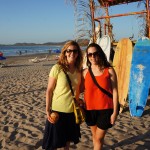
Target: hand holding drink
x=53, y=118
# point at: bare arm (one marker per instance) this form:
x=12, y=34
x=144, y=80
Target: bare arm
x=49, y=93
x=113, y=79
x=82, y=80
x=84, y=72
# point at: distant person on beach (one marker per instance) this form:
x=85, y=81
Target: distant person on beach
x=59, y=134
x=20, y=52
x=101, y=109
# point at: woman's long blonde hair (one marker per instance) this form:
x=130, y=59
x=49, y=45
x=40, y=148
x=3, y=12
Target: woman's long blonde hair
x=63, y=60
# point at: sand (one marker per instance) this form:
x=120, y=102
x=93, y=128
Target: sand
x=22, y=116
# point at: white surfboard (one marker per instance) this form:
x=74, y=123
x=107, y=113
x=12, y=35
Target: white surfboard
x=105, y=44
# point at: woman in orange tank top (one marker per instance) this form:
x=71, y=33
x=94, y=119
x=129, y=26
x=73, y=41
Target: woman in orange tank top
x=101, y=110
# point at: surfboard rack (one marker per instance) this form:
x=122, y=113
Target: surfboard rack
x=107, y=3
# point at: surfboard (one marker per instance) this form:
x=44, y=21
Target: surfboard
x=105, y=43
x=122, y=63
x=139, y=77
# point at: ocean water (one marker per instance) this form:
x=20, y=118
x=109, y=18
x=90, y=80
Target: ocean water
x=26, y=50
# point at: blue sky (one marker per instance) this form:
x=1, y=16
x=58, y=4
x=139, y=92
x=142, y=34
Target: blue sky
x=41, y=21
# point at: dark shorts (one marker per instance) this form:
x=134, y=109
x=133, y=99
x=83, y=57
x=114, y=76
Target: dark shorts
x=57, y=135
x=100, y=118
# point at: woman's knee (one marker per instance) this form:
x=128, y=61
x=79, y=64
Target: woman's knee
x=99, y=139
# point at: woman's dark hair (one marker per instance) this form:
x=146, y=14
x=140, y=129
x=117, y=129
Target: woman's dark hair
x=102, y=59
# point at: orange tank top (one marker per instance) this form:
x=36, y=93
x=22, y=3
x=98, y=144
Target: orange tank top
x=94, y=98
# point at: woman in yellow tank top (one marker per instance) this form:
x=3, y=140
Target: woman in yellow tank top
x=59, y=99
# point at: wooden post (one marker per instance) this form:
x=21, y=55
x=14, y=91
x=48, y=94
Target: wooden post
x=148, y=17
x=108, y=24
x=92, y=8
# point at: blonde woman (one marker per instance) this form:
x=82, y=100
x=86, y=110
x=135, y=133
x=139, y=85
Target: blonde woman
x=59, y=99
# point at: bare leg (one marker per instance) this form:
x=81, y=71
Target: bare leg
x=93, y=130
x=98, y=137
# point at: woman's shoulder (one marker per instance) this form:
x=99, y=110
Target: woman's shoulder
x=57, y=67
x=111, y=70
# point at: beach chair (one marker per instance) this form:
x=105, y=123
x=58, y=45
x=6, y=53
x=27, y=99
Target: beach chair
x=42, y=59
x=34, y=60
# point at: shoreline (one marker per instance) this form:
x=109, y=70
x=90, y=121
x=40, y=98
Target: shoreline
x=12, y=59
x=33, y=55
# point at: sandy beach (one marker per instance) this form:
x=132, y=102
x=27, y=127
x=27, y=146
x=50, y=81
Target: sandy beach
x=22, y=116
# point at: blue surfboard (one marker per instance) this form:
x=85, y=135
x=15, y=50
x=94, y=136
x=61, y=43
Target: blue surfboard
x=139, y=77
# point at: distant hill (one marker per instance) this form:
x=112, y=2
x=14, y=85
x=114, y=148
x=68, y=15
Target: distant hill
x=82, y=42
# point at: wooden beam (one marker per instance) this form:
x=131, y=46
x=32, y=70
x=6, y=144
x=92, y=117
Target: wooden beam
x=119, y=15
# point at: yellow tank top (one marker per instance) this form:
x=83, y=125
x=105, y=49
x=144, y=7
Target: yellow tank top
x=62, y=97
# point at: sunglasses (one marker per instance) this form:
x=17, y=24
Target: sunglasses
x=92, y=54
x=69, y=51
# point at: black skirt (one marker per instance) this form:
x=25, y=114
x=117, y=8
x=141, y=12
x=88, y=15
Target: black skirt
x=58, y=134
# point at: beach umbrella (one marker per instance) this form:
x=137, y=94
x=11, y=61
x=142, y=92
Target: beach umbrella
x=57, y=51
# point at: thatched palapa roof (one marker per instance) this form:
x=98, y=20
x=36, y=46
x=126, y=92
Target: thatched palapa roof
x=105, y=3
